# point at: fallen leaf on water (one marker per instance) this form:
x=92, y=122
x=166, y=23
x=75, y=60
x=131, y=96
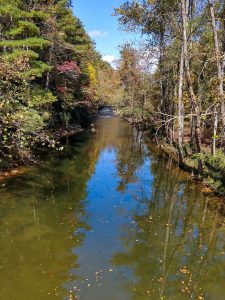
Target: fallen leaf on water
x=184, y=270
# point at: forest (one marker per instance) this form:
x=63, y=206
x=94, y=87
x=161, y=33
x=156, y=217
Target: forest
x=48, y=76
x=169, y=84
x=174, y=80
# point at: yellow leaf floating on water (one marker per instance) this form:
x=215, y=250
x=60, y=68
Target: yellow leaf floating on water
x=184, y=270
x=160, y=279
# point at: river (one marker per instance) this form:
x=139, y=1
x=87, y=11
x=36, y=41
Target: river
x=109, y=218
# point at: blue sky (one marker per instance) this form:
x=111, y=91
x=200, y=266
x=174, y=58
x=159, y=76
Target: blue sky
x=101, y=25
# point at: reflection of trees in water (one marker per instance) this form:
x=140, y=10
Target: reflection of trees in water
x=41, y=218
x=130, y=152
x=175, y=248
x=113, y=134
x=130, y=156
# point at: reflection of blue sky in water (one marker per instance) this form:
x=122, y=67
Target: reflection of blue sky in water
x=109, y=211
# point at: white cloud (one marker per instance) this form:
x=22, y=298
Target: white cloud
x=111, y=59
x=97, y=33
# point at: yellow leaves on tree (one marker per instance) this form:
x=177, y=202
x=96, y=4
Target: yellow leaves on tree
x=92, y=75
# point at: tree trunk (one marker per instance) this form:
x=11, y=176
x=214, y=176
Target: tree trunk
x=223, y=68
x=181, y=108
x=162, y=66
x=193, y=102
x=163, y=86
x=215, y=127
x=219, y=74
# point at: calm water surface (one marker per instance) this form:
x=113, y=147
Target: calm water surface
x=109, y=219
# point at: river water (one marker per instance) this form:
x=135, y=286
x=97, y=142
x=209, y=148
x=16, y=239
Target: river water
x=109, y=218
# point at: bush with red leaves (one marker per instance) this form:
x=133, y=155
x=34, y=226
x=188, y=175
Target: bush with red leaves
x=68, y=67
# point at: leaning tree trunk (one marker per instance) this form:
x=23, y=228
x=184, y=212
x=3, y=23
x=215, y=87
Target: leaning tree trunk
x=193, y=101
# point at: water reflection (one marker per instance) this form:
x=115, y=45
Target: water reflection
x=40, y=224
x=175, y=246
x=109, y=219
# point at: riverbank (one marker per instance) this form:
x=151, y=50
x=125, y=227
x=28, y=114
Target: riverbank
x=213, y=177
x=211, y=183
x=17, y=167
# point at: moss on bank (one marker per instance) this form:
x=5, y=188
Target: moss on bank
x=213, y=170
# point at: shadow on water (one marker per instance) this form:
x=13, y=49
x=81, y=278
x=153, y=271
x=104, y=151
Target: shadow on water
x=108, y=218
